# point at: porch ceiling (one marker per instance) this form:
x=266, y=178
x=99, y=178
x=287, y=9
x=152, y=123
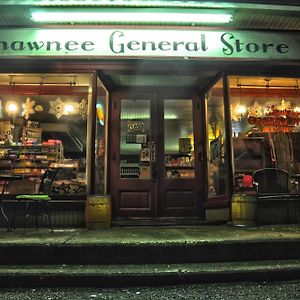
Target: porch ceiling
x=248, y=14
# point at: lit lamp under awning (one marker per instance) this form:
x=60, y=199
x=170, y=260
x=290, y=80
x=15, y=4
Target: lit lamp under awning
x=130, y=16
x=12, y=108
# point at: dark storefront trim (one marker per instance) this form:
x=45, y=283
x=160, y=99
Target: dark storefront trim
x=266, y=68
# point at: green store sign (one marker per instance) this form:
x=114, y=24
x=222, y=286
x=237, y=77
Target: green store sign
x=133, y=43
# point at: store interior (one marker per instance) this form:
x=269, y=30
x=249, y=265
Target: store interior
x=43, y=124
x=265, y=130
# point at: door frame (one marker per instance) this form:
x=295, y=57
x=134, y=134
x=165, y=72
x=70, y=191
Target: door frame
x=136, y=185
x=223, y=200
x=155, y=207
x=198, y=180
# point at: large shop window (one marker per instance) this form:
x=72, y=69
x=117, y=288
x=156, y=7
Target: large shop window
x=43, y=124
x=216, y=160
x=265, y=115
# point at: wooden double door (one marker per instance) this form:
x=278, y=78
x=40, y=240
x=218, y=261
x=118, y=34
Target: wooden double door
x=156, y=162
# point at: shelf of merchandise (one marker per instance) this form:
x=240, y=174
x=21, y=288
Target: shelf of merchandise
x=128, y=170
x=28, y=160
x=172, y=167
x=179, y=165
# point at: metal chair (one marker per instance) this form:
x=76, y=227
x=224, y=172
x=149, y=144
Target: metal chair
x=272, y=187
x=38, y=204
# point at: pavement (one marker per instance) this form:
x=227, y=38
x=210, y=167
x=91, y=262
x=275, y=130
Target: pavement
x=154, y=255
x=153, y=235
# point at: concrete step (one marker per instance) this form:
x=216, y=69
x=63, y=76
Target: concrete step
x=148, y=253
x=146, y=274
x=149, y=245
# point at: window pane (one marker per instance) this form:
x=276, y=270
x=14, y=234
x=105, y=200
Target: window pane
x=47, y=117
x=265, y=126
x=135, y=134
x=179, y=138
x=216, y=141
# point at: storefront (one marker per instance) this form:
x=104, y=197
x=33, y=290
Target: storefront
x=166, y=122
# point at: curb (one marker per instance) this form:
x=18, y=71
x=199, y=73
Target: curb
x=141, y=275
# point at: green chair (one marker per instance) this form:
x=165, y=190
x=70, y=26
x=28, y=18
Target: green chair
x=37, y=204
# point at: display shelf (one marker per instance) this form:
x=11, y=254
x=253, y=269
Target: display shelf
x=179, y=161
x=176, y=155
x=182, y=173
x=168, y=167
x=129, y=170
x=179, y=165
x=30, y=160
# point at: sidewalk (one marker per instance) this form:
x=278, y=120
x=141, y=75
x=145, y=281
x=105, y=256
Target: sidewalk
x=151, y=235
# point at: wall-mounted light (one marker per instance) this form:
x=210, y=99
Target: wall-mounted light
x=179, y=16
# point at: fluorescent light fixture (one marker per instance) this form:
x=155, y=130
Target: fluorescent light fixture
x=161, y=16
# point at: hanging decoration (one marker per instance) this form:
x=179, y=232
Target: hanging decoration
x=255, y=110
x=60, y=108
x=57, y=108
x=39, y=108
x=281, y=117
x=238, y=111
x=28, y=108
x=83, y=108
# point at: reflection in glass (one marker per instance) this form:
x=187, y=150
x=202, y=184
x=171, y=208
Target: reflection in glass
x=179, y=138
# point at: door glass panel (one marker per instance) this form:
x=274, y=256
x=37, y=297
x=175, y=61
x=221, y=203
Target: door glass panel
x=179, y=138
x=135, y=133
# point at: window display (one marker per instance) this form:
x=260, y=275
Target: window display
x=265, y=116
x=43, y=125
